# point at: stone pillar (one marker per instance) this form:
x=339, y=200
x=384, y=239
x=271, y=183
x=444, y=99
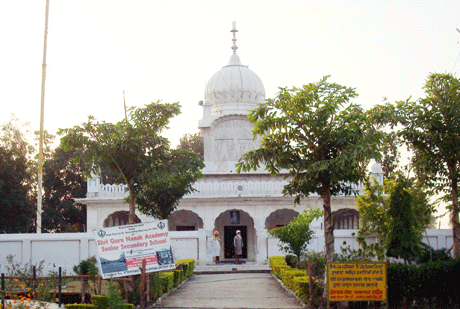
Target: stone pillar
x=202, y=247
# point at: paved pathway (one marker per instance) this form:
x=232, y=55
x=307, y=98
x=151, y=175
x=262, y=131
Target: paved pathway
x=230, y=290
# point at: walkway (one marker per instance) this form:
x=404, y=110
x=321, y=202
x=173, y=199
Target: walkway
x=247, y=286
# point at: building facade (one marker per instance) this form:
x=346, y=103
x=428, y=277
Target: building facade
x=224, y=200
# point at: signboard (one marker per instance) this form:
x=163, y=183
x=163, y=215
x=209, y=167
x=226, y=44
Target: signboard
x=357, y=281
x=121, y=249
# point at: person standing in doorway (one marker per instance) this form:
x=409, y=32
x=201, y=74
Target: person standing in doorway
x=238, y=246
x=215, y=247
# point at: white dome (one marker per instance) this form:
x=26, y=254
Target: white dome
x=234, y=89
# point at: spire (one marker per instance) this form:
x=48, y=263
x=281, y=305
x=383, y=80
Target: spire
x=234, y=47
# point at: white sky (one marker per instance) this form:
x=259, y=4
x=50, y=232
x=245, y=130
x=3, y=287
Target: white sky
x=168, y=49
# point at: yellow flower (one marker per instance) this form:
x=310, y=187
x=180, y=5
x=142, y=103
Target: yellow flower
x=57, y=300
x=16, y=280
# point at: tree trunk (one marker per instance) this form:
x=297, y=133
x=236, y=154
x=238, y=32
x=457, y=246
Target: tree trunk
x=132, y=209
x=454, y=219
x=328, y=227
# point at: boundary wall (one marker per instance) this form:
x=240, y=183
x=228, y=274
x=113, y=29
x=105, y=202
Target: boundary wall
x=67, y=249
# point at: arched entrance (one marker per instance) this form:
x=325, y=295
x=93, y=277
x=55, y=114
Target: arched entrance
x=280, y=217
x=119, y=218
x=227, y=223
x=184, y=220
x=346, y=218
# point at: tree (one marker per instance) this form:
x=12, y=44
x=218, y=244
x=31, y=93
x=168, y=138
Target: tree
x=398, y=212
x=63, y=181
x=132, y=147
x=165, y=188
x=431, y=128
x=16, y=207
x=323, y=140
x=296, y=235
x=194, y=143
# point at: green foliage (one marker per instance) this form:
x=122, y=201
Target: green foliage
x=100, y=302
x=188, y=266
x=301, y=286
x=17, y=210
x=167, y=281
x=88, y=267
x=114, y=299
x=156, y=288
x=156, y=175
x=79, y=306
x=291, y=260
x=193, y=143
x=431, y=129
x=430, y=285
x=389, y=222
x=429, y=254
x=63, y=181
x=323, y=140
x=318, y=261
x=296, y=235
x=404, y=239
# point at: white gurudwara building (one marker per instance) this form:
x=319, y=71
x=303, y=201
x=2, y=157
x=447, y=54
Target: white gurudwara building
x=224, y=200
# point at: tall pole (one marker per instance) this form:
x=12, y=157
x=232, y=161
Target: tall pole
x=42, y=120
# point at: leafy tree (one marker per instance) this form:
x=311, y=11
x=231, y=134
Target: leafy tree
x=16, y=208
x=63, y=181
x=296, y=235
x=431, y=127
x=133, y=148
x=323, y=140
x=390, y=154
x=382, y=215
x=194, y=143
x=165, y=188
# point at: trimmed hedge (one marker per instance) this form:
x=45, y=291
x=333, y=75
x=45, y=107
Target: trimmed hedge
x=434, y=284
x=178, y=277
x=290, y=274
x=100, y=302
x=79, y=306
x=301, y=286
x=188, y=265
x=167, y=281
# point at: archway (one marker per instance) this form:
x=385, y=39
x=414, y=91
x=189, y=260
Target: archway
x=184, y=220
x=280, y=217
x=119, y=218
x=227, y=223
x=346, y=218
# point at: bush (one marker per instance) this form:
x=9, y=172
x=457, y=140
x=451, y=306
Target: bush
x=156, y=288
x=319, y=263
x=290, y=274
x=301, y=286
x=188, y=266
x=79, y=306
x=291, y=260
x=167, y=281
x=100, y=302
x=178, y=277
x=429, y=254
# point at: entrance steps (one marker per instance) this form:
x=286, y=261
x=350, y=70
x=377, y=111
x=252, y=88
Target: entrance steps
x=228, y=268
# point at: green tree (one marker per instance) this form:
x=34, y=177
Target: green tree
x=193, y=142
x=296, y=235
x=17, y=210
x=323, y=140
x=392, y=221
x=133, y=148
x=431, y=127
x=63, y=182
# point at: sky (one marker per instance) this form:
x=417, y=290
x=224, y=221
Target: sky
x=168, y=49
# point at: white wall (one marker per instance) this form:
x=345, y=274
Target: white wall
x=67, y=250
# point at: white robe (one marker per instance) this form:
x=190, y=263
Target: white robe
x=215, y=247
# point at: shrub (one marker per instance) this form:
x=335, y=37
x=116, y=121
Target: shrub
x=188, y=265
x=178, y=277
x=301, y=286
x=79, y=306
x=429, y=254
x=167, y=281
x=291, y=260
x=156, y=288
x=290, y=274
x=100, y=302
x=319, y=263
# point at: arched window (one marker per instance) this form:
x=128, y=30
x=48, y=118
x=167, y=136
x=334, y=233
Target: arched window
x=346, y=219
x=119, y=218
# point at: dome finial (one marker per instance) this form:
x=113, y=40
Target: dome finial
x=234, y=47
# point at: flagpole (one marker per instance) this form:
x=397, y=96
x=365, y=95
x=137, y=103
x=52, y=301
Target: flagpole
x=42, y=120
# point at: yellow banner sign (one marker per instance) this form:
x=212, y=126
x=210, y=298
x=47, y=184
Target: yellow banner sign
x=358, y=281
